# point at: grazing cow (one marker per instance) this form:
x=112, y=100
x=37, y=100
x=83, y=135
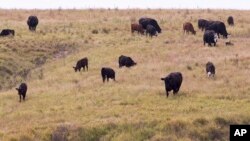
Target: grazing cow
x=32, y=23
x=210, y=69
x=107, y=73
x=149, y=21
x=137, y=27
x=22, y=91
x=210, y=37
x=7, y=32
x=126, y=61
x=202, y=24
x=218, y=27
x=173, y=82
x=188, y=27
x=151, y=31
x=230, y=21
x=81, y=64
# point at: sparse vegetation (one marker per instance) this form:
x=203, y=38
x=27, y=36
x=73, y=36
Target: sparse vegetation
x=62, y=104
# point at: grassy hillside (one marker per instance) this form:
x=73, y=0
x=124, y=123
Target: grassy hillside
x=62, y=104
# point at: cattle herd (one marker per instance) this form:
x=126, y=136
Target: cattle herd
x=173, y=81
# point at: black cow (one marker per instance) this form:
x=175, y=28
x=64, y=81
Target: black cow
x=126, y=61
x=173, y=82
x=22, y=91
x=218, y=27
x=7, y=32
x=202, y=23
x=81, y=64
x=230, y=21
x=107, y=73
x=32, y=23
x=151, y=31
x=149, y=21
x=210, y=37
x=210, y=69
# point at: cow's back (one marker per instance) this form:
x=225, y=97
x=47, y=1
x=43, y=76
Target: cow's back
x=23, y=88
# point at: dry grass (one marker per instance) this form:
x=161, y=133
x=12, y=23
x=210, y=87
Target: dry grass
x=62, y=104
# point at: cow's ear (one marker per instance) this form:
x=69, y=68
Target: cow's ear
x=162, y=78
x=74, y=67
x=17, y=89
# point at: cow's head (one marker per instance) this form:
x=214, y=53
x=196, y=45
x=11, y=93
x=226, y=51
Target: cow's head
x=167, y=83
x=225, y=35
x=159, y=30
x=209, y=74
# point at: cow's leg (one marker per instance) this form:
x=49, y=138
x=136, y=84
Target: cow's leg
x=214, y=43
x=20, y=97
x=103, y=79
x=87, y=67
x=204, y=43
x=24, y=97
x=167, y=94
x=209, y=44
x=83, y=68
x=108, y=79
x=175, y=91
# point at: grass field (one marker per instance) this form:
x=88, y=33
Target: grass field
x=64, y=105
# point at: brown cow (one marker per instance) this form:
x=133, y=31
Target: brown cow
x=137, y=27
x=188, y=27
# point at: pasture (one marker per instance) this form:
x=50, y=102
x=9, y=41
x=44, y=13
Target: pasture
x=78, y=106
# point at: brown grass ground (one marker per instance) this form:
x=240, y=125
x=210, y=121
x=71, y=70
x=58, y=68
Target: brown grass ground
x=78, y=106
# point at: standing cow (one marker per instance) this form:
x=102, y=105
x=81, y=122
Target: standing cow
x=149, y=21
x=188, y=27
x=172, y=82
x=22, y=91
x=32, y=23
x=137, y=27
x=126, y=61
x=218, y=27
x=210, y=69
x=210, y=37
x=230, y=20
x=7, y=32
x=107, y=73
x=81, y=64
